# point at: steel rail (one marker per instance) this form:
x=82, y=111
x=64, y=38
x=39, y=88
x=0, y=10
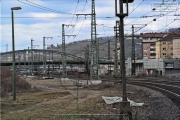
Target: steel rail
x=172, y=92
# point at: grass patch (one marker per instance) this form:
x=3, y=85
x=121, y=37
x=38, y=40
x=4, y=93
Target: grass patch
x=50, y=105
x=24, y=103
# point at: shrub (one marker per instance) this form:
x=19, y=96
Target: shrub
x=141, y=74
x=7, y=82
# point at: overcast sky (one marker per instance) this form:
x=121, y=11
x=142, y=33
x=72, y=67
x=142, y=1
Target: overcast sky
x=44, y=18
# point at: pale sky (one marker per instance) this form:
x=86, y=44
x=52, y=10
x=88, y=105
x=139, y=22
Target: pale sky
x=44, y=18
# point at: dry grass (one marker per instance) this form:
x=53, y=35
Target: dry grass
x=7, y=83
x=49, y=105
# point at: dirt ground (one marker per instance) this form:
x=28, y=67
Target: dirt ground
x=51, y=98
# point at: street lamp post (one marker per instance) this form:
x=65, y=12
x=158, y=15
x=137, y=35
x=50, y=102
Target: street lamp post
x=13, y=48
x=32, y=57
x=6, y=53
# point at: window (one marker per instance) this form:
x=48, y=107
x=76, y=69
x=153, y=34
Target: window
x=164, y=48
x=145, y=38
x=145, y=50
x=164, y=54
x=164, y=43
x=153, y=54
x=171, y=48
x=171, y=53
x=153, y=49
x=145, y=55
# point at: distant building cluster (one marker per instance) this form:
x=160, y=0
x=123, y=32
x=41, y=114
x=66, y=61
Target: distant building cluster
x=161, y=45
x=155, y=53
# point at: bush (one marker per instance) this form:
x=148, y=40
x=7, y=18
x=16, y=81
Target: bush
x=141, y=74
x=7, y=82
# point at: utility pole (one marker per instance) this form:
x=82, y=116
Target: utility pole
x=87, y=60
x=94, y=53
x=64, y=72
x=44, y=56
x=109, y=58
x=117, y=41
x=124, y=105
x=31, y=56
x=28, y=60
x=19, y=56
x=6, y=52
x=94, y=46
x=24, y=58
x=133, y=53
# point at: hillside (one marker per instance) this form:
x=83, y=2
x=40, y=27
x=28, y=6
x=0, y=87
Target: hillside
x=79, y=47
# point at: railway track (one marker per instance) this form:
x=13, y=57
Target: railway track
x=169, y=88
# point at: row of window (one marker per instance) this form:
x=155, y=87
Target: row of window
x=167, y=43
x=155, y=49
x=153, y=54
x=166, y=48
x=164, y=54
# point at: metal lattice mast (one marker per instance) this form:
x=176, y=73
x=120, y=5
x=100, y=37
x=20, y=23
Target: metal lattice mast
x=31, y=56
x=63, y=51
x=64, y=73
x=28, y=61
x=44, y=55
x=44, y=58
x=117, y=46
x=94, y=46
x=109, y=58
x=87, y=60
x=133, y=52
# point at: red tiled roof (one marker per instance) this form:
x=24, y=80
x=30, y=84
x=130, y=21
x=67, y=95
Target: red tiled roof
x=171, y=36
x=155, y=35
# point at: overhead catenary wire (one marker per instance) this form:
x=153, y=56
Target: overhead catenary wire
x=145, y=15
x=73, y=17
x=159, y=16
x=160, y=28
x=78, y=20
x=135, y=9
x=43, y=8
x=74, y=11
x=171, y=21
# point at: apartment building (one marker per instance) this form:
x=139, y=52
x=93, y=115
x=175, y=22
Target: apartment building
x=149, y=44
x=176, y=47
x=167, y=47
x=164, y=47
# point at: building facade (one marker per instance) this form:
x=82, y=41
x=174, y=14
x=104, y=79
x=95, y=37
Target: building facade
x=149, y=44
x=164, y=47
x=176, y=48
x=161, y=45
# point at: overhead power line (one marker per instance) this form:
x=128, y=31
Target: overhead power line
x=43, y=8
x=153, y=10
x=135, y=8
x=77, y=19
